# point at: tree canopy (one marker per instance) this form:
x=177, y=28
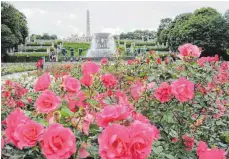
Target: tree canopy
x=138, y=34
x=14, y=28
x=45, y=36
x=163, y=30
x=206, y=27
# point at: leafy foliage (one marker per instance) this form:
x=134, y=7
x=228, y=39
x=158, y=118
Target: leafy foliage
x=14, y=28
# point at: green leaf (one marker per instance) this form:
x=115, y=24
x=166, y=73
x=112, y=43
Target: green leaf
x=157, y=150
x=65, y=112
x=168, y=117
x=43, y=122
x=169, y=156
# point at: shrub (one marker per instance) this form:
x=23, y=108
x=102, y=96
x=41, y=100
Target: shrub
x=32, y=57
x=145, y=43
x=37, y=50
x=144, y=108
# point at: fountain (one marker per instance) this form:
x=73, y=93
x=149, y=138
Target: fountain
x=102, y=45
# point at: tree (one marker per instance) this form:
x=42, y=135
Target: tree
x=45, y=36
x=175, y=34
x=162, y=32
x=14, y=28
x=53, y=37
x=138, y=34
x=226, y=17
x=205, y=27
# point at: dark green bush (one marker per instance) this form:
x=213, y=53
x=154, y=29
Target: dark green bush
x=25, y=58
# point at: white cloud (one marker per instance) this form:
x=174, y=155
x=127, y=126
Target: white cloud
x=30, y=12
x=72, y=16
x=58, y=22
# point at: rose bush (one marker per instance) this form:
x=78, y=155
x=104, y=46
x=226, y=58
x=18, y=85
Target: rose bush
x=144, y=108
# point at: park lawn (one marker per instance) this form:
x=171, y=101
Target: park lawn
x=85, y=46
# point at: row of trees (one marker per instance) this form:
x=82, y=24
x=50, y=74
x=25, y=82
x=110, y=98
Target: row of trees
x=14, y=28
x=45, y=36
x=138, y=34
x=206, y=27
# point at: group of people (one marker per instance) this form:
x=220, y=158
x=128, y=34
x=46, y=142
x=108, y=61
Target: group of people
x=52, y=57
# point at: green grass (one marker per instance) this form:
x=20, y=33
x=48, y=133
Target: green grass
x=34, y=54
x=76, y=46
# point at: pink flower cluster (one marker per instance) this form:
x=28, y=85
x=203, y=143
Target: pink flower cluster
x=203, y=152
x=109, y=80
x=203, y=60
x=56, y=141
x=118, y=141
x=189, y=50
x=182, y=89
x=22, y=131
x=13, y=93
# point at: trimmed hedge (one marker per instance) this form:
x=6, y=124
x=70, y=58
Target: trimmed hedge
x=25, y=58
x=37, y=50
x=146, y=43
x=39, y=44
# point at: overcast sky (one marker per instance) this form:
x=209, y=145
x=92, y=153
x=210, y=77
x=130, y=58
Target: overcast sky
x=66, y=18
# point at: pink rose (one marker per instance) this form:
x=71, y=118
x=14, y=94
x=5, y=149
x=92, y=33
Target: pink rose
x=75, y=99
x=141, y=139
x=47, y=102
x=189, y=50
x=88, y=119
x=120, y=95
x=19, y=90
x=130, y=62
x=104, y=61
x=28, y=134
x=113, y=142
x=83, y=153
x=12, y=102
x=14, y=119
x=58, y=142
x=90, y=68
x=112, y=113
x=183, y=89
x=201, y=61
x=175, y=139
x=71, y=84
x=164, y=92
x=203, y=152
x=141, y=118
x=158, y=60
x=188, y=142
x=109, y=81
x=86, y=80
x=224, y=66
x=42, y=83
x=137, y=90
x=20, y=103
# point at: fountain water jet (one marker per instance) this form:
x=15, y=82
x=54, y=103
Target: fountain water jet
x=102, y=45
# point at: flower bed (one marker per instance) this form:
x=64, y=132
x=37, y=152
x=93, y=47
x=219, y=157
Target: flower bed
x=143, y=108
x=15, y=68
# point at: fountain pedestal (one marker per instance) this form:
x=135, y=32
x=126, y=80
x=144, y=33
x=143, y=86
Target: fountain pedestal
x=102, y=45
